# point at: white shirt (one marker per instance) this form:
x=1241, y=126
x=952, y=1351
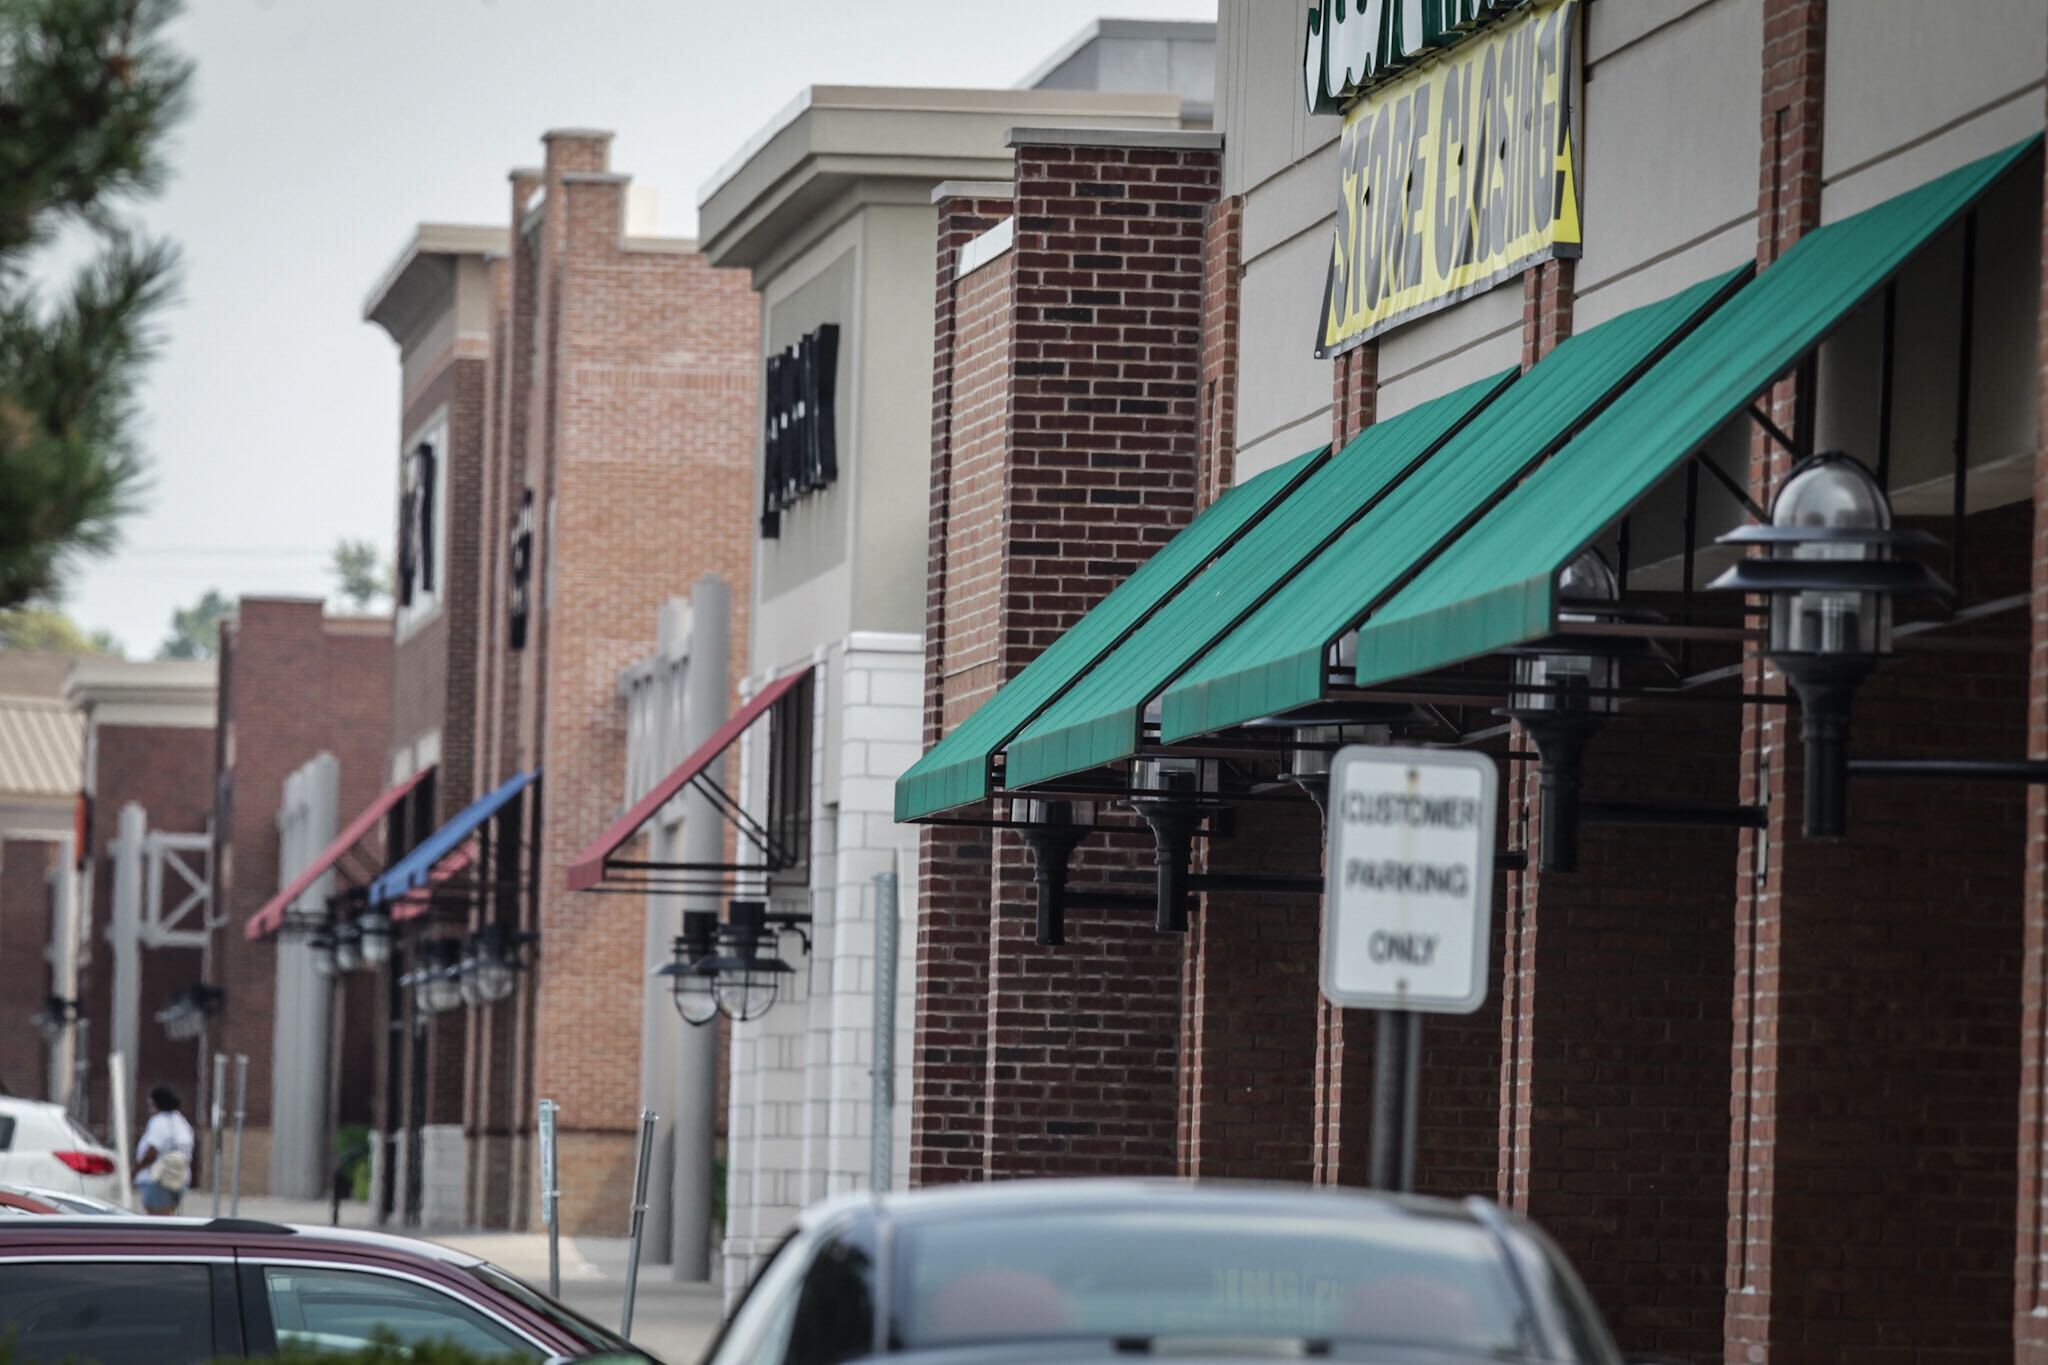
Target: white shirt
x=167, y=1132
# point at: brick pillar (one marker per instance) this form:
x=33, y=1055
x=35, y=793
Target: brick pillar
x=948, y=1072
x=1109, y=272
x=1222, y=275
x=2030, y=1276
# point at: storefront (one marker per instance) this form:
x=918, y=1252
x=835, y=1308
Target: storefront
x=1489, y=459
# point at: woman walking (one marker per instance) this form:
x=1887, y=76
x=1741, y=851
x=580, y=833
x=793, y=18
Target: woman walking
x=163, y=1159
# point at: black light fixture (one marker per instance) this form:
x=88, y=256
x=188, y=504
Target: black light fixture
x=1052, y=830
x=436, y=982
x=745, y=983
x=320, y=945
x=691, y=986
x=185, y=1017
x=56, y=1015
x=1563, y=688
x=1829, y=580
x=348, y=948
x=373, y=936
x=1169, y=794
x=491, y=962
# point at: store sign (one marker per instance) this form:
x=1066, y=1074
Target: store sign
x=1355, y=44
x=519, y=609
x=1408, y=896
x=416, y=525
x=1456, y=178
x=800, y=444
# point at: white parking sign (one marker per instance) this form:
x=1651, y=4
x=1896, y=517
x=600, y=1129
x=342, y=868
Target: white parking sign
x=1408, y=900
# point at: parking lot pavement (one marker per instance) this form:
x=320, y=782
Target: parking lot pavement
x=673, y=1320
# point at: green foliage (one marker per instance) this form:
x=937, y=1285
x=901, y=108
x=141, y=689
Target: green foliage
x=360, y=573
x=354, y=1139
x=47, y=628
x=195, y=630
x=87, y=90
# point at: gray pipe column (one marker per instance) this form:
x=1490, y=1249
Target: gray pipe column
x=302, y=1041
x=706, y=698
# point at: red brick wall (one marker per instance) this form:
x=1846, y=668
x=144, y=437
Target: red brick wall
x=649, y=363
x=24, y=969
x=292, y=686
x=949, y=1055
x=2030, y=1288
x=1222, y=282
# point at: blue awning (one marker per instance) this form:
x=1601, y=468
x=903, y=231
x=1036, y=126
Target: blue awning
x=413, y=870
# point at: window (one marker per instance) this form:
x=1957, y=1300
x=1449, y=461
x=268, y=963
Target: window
x=835, y=1312
x=789, y=782
x=598, y=1339
x=348, y=1310
x=6, y=1132
x=758, y=1330
x=422, y=524
x=112, y=1314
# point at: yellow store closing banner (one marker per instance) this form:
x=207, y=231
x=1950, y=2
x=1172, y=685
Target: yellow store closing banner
x=1455, y=177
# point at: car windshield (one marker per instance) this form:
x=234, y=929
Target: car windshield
x=1151, y=1274
x=599, y=1340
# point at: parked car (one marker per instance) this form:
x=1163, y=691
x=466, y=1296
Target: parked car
x=42, y=1145
x=1041, y=1271
x=163, y=1291
x=60, y=1201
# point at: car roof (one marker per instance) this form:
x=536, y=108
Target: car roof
x=238, y=1231
x=1095, y=1195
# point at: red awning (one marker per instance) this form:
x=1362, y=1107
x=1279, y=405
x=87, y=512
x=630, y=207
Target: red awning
x=270, y=918
x=420, y=899
x=589, y=868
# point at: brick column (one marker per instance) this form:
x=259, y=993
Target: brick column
x=1109, y=269
x=948, y=1071
x=2030, y=1277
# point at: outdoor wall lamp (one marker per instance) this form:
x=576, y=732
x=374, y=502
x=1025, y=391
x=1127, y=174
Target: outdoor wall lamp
x=320, y=946
x=1315, y=733
x=743, y=982
x=1168, y=793
x=1829, y=580
x=185, y=1017
x=1052, y=830
x=56, y=1015
x=1562, y=689
x=491, y=962
x=695, y=999
x=437, y=981
x=373, y=929
x=348, y=948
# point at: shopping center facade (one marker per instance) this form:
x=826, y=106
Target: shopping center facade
x=1414, y=405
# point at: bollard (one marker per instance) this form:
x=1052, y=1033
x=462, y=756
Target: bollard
x=550, y=1193
x=647, y=1117
x=241, y=1111
x=220, y=1083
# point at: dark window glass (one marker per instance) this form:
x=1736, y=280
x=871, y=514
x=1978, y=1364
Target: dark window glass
x=6, y=1132
x=599, y=1340
x=1153, y=1273
x=835, y=1311
x=128, y=1314
x=347, y=1311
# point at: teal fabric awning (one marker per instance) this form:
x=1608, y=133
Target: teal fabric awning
x=1099, y=719
x=955, y=771
x=1496, y=587
x=1276, y=660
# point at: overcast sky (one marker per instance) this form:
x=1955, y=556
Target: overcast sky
x=323, y=130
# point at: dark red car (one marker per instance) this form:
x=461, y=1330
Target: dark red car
x=160, y=1291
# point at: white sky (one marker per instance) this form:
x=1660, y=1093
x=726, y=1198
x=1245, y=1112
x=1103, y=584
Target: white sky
x=323, y=130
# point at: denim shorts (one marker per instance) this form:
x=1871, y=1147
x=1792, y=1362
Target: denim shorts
x=157, y=1199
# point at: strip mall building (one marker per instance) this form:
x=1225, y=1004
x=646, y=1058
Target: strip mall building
x=1414, y=403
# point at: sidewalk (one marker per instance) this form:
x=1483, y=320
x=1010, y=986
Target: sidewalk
x=673, y=1320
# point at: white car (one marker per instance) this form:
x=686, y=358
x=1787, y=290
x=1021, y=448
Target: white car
x=41, y=1145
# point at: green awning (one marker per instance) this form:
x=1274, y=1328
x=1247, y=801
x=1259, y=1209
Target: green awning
x=956, y=770
x=1275, y=660
x=1099, y=719
x=1496, y=586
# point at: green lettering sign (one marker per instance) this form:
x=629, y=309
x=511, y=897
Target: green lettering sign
x=1353, y=45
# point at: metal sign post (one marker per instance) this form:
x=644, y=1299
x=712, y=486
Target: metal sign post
x=1407, y=914
x=241, y=1112
x=550, y=1192
x=647, y=1117
x=215, y=1109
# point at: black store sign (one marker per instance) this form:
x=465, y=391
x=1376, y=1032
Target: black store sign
x=416, y=525
x=521, y=604
x=800, y=445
